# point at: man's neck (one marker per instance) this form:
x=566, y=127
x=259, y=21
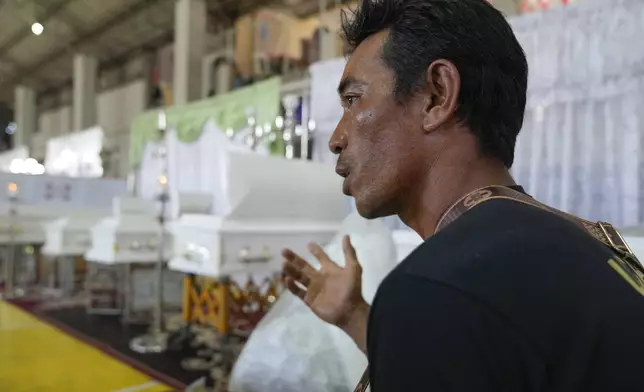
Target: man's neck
x=439, y=192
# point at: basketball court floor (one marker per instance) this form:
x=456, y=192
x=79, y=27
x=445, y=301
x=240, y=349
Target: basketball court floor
x=35, y=356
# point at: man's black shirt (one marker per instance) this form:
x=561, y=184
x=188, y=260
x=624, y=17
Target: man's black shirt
x=508, y=298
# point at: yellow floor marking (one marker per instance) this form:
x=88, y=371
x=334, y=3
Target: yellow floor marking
x=37, y=357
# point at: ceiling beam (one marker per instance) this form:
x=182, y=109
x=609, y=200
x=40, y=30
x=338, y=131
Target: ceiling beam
x=10, y=61
x=125, y=14
x=153, y=44
x=51, y=11
x=70, y=19
x=117, y=61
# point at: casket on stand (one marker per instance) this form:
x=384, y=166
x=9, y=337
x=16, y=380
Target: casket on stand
x=129, y=235
x=31, y=202
x=267, y=204
x=233, y=260
x=271, y=203
x=70, y=235
x=66, y=240
x=125, y=247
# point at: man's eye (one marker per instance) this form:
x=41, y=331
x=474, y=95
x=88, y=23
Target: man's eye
x=350, y=100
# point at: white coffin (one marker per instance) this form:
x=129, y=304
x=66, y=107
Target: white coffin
x=131, y=235
x=270, y=203
x=70, y=235
x=43, y=198
x=27, y=224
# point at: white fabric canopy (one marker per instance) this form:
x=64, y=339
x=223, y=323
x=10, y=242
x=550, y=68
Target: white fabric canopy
x=76, y=154
x=193, y=168
x=6, y=157
x=581, y=145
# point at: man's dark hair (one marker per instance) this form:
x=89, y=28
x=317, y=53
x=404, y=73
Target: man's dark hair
x=471, y=34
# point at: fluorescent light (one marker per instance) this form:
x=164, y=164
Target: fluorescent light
x=37, y=28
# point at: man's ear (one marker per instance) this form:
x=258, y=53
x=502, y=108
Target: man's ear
x=443, y=85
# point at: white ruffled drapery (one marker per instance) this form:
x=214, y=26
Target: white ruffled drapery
x=199, y=167
x=76, y=154
x=580, y=146
x=579, y=149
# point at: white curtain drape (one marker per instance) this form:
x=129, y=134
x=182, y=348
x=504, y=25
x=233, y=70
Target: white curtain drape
x=579, y=149
x=199, y=167
x=76, y=154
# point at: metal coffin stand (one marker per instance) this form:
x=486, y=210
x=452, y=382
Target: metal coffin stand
x=66, y=240
x=125, y=248
x=32, y=203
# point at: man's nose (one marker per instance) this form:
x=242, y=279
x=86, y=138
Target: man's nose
x=338, y=141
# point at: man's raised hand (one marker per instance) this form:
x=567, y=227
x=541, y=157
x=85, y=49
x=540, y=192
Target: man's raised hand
x=332, y=292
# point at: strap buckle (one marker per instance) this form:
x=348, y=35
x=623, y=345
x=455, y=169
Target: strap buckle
x=615, y=239
x=619, y=244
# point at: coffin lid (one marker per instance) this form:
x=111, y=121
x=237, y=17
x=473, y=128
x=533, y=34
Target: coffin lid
x=267, y=188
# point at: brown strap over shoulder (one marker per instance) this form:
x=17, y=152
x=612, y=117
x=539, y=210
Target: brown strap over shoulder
x=602, y=231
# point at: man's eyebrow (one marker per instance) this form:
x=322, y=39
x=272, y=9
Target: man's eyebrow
x=347, y=82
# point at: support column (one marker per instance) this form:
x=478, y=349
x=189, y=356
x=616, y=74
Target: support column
x=25, y=116
x=224, y=75
x=84, y=100
x=327, y=39
x=328, y=44
x=189, y=41
x=151, y=77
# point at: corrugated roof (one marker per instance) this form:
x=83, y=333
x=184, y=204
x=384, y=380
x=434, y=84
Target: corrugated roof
x=107, y=29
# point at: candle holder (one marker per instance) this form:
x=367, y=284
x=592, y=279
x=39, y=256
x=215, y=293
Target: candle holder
x=290, y=102
x=10, y=264
x=297, y=138
x=156, y=340
x=306, y=139
x=254, y=134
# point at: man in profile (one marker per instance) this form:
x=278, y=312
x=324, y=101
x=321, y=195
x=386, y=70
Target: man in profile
x=504, y=295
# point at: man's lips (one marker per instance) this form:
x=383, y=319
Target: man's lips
x=345, y=186
x=343, y=171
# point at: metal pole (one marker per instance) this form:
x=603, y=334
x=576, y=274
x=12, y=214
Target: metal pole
x=290, y=102
x=305, y=139
x=10, y=264
x=159, y=325
x=158, y=310
x=156, y=340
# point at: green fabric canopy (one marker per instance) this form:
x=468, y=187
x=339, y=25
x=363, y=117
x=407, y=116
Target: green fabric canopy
x=226, y=110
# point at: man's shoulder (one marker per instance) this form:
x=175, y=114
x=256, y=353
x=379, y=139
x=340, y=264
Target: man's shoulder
x=513, y=259
x=505, y=233
x=503, y=247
